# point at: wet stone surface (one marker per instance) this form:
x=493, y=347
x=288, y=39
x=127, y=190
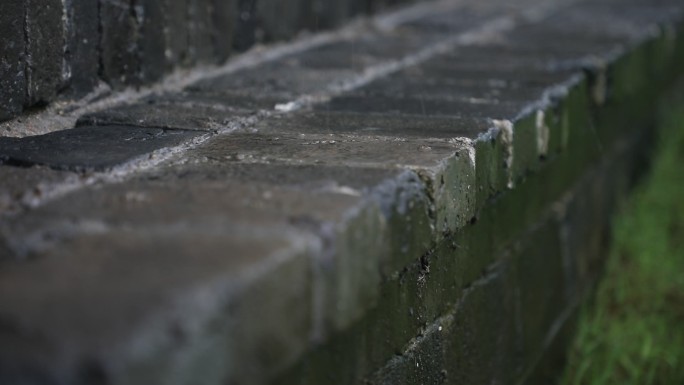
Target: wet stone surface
x=89, y=148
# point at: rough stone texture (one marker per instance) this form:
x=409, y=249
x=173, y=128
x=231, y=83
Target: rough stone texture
x=12, y=60
x=118, y=44
x=89, y=148
x=24, y=186
x=432, y=210
x=45, y=45
x=83, y=39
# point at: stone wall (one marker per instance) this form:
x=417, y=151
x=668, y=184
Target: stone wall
x=423, y=199
x=62, y=49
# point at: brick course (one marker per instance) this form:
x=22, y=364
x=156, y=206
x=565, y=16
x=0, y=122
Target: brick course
x=433, y=212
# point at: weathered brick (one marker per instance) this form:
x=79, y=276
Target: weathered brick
x=224, y=16
x=12, y=59
x=176, y=33
x=177, y=111
x=200, y=31
x=119, y=49
x=24, y=186
x=150, y=24
x=89, y=148
x=131, y=323
x=83, y=41
x=45, y=45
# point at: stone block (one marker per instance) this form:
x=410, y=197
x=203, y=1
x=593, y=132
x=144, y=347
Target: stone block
x=205, y=302
x=23, y=187
x=177, y=111
x=45, y=46
x=176, y=33
x=83, y=40
x=151, y=39
x=224, y=17
x=200, y=31
x=119, y=47
x=12, y=59
x=90, y=148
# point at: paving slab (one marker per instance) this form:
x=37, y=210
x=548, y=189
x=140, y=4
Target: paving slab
x=90, y=148
x=24, y=186
x=186, y=111
x=82, y=41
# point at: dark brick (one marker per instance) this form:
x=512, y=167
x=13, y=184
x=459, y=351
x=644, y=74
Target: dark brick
x=12, y=60
x=281, y=19
x=224, y=16
x=282, y=80
x=69, y=315
x=181, y=110
x=83, y=39
x=45, y=45
x=176, y=33
x=89, y=148
x=200, y=31
x=416, y=105
x=119, y=49
x=150, y=15
x=322, y=14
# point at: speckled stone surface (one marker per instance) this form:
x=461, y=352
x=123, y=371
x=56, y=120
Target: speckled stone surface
x=421, y=197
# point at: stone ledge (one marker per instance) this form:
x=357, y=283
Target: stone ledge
x=382, y=203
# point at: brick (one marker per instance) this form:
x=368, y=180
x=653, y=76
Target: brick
x=12, y=60
x=280, y=82
x=89, y=148
x=151, y=43
x=45, y=45
x=119, y=54
x=281, y=19
x=176, y=33
x=200, y=34
x=224, y=16
x=23, y=186
x=246, y=26
x=83, y=39
x=97, y=316
x=186, y=111
x=321, y=14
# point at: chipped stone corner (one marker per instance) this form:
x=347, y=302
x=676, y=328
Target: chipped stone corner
x=505, y=127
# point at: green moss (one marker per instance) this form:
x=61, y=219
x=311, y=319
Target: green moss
x=634, y=333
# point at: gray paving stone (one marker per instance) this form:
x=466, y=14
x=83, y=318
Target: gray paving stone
x=23, y=186
x=89, y=148
x=45, y=33
x=282, y=80
x=388, y=125
x=224, y=16
x=12, y=61
x=200, y=34
x=179, y=111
